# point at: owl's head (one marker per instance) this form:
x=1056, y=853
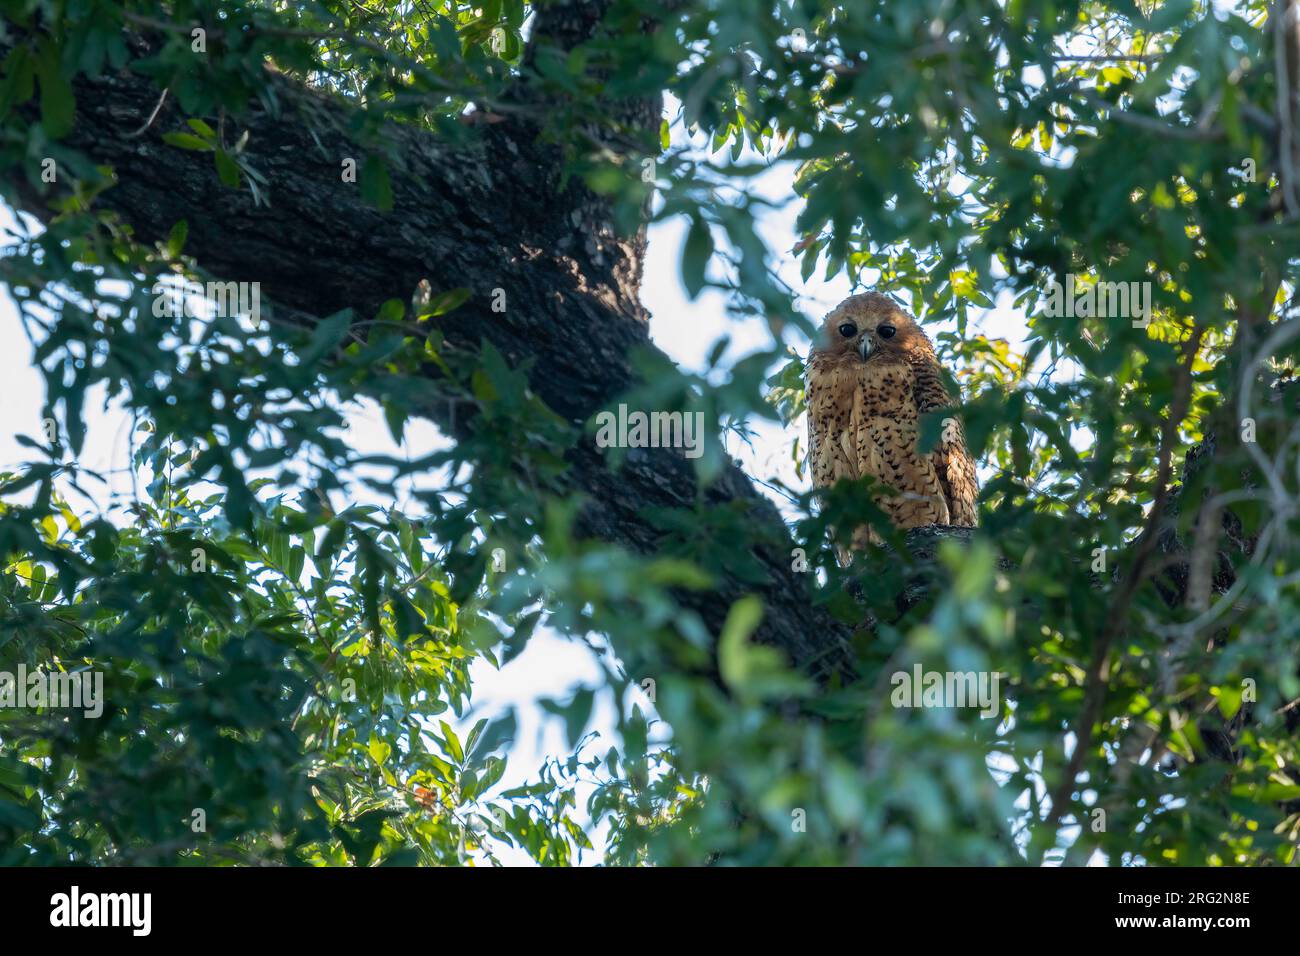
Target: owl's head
x=871, y=325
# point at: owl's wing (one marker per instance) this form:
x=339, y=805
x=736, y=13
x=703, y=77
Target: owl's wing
x=831, y=455
x=889, y=448
x=956, y=471
x=955, y=467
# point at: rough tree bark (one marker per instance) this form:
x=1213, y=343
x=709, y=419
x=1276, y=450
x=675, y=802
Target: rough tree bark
x=485, y=215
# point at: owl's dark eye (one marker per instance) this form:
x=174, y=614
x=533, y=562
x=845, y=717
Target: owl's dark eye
x=848, y=330
x=886, y=331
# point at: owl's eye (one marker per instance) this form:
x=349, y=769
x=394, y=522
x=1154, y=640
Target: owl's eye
x=886, y=331
x=848, y=330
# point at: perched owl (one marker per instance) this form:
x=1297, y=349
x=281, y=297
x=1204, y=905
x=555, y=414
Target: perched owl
x=868, y=380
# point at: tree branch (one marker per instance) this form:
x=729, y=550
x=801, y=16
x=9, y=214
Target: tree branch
x=1098, y=673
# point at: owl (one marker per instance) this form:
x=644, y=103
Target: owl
x=868, y=380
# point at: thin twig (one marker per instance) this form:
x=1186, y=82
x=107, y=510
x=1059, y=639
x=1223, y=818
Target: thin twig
x=152, y=116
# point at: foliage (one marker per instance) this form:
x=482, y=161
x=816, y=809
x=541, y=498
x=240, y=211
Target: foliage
x=959, y=154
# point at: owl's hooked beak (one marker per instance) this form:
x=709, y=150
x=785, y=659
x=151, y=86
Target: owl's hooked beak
x=864, y=346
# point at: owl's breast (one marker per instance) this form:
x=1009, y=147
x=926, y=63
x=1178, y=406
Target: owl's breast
x=842, y=392
x=885, y=391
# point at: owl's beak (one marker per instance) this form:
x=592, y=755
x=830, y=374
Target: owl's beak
x=864, y=347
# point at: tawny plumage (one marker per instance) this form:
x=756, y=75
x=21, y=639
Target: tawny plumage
x=869, y=379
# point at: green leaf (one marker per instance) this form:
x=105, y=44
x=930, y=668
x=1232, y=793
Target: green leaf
x=58, y=104
x=176, y=238
x=453, y=743
x=375, y=186
x=17, y=78
x=326, y=337
x=391, y=311
x=577, y=713
x=445, y=302
x=187, y=141
x=227, y=169
x=695, y=256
